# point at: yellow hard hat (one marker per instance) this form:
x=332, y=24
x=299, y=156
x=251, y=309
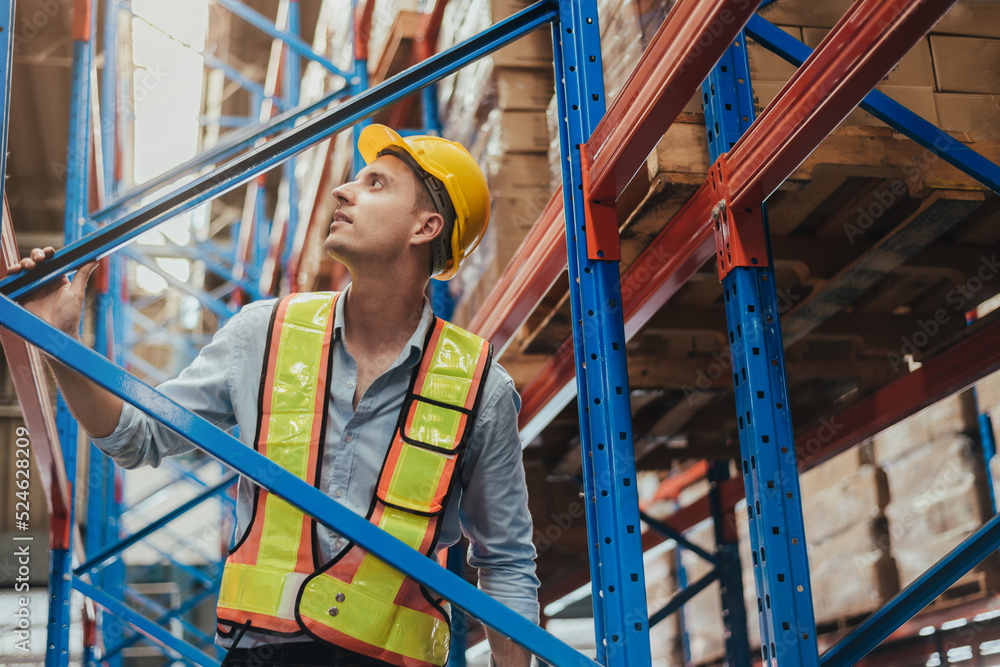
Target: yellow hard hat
x=454, y=167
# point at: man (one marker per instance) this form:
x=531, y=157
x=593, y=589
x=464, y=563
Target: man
x=400, y=417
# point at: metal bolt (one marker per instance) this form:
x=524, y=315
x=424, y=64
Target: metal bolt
x=340, y=597
x=333, y=611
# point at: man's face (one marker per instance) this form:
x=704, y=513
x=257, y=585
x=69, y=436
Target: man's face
x=375, y=218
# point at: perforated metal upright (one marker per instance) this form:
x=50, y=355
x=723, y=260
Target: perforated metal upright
x=767, y=448
x=613, y=528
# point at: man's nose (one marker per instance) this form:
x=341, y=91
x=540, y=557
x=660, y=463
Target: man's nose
x=344, y=193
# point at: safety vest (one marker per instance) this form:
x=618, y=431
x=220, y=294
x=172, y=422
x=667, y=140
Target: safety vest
x=273, y=578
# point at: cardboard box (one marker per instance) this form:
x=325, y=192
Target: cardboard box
x=516, y=174
x=852, y=573
x=765, y=65
x=519, y=212
x=944, y=419
x=518, y=88
x=920, y=100
x=913, y=69
x=977, y=18
x=977, y=116
x=966, y=64
x=807, y=13
x=517, y=132
x=858, y=498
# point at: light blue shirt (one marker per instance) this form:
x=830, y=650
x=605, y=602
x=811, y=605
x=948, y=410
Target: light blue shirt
x=490, y=505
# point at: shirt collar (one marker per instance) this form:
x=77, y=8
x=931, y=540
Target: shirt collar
x=414, y=347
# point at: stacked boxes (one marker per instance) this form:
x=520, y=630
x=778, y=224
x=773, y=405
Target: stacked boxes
x=843, y=504
x=937, y=486
x=497, y=108
x=851, y=570
x=950, y=78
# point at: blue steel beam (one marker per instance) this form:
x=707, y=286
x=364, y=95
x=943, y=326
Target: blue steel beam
x=144, y=625
x=263, y=158
x=727, y=550
x=683, y=596
x=612, y=503
x=151, y=528
x=887, y=110
x=233, y=144
x=155, y=607
x=677, y=536
x=729, y=111
x=291, y=40
x=914, y=597
x=227, y=449
x=6, y=65
x=774, y=508
x=190, y=602
x=246, y=83
x=220, y=309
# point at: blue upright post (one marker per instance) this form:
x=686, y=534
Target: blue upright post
x=613, y=528
x=989, y=445
x=777, y=534
x=77, y=181
x=290, y=83
x=6, y=65
x=456, y=658
x=727, y=554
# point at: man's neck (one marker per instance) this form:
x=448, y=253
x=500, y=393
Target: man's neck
x=381, y=315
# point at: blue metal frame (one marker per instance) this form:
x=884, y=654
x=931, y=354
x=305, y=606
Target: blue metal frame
x=114, y=549
x=143, y=624
x=770, y=475
x=288, y=36
x=616, y=566
x=727, y=553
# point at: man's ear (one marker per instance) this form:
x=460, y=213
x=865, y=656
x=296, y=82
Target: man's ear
x=428, y=225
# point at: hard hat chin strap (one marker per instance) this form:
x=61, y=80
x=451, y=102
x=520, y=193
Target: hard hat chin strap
x=440, y=246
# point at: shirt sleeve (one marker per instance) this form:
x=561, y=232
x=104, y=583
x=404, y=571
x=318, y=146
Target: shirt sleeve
x=494, y=505
x=204, y=387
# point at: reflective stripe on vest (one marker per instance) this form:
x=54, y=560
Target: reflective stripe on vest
x=356, y=601
x=260, y=584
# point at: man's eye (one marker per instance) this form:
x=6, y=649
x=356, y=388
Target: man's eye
x=377, y=183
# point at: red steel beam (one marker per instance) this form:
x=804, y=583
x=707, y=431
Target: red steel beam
x=28, y=377
x=691, y=40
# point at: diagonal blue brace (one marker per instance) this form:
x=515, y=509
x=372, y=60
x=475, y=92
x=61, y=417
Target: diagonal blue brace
x=233, y=143
x=916, y=596
x=262, y=159
x=144, y=625
x=227, y=449
x=676, y=536
x=148, y=530
x=291, y=40
x=887, y=110
x=684, y=595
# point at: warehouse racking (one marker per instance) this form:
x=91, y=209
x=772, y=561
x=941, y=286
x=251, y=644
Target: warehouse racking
x=602, y=148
